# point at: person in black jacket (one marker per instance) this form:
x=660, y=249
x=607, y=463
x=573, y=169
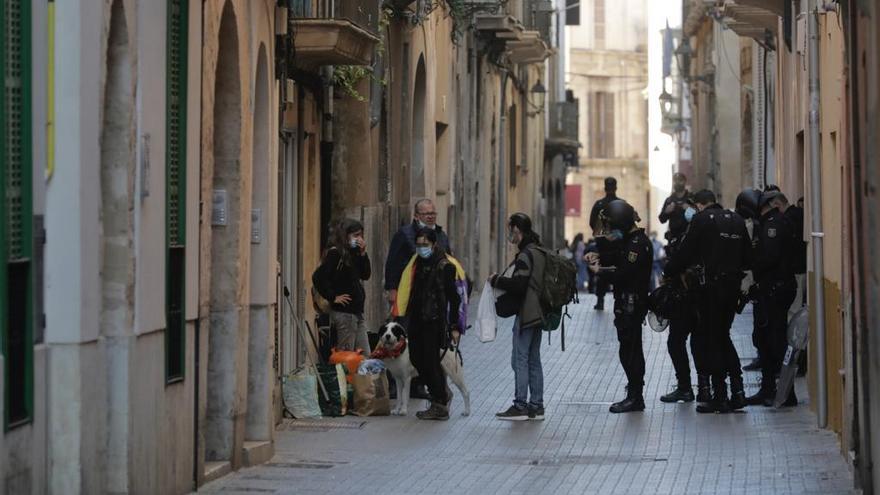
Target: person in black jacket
x=600, y=283
x=630, y=272
x=338, y=279
x=717, y=248
x=774, y=290
x=433, y=319
x=675, y=212
x=403, y=244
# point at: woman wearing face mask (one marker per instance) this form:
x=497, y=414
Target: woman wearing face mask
x=431, y=301
x=339, y=279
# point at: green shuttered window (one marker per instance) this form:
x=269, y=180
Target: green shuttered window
x=175, y=192
x=16, y=225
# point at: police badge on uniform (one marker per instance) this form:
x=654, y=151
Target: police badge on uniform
x=632, y=256
x=771, y=233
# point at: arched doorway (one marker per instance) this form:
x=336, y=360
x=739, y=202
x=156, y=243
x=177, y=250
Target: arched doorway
x=227, y=336
x=117, y=253
x=260, y=336
x=417, y=178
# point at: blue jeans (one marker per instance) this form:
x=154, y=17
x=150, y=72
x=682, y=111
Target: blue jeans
x=527, y=370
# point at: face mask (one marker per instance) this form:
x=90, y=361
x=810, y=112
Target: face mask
x=689, y=214
x=353, y=242
x=615, y=235
x=424, y=252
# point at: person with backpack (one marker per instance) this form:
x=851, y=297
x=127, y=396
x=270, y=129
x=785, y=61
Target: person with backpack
x=338, y=279
x=522, y=298
x=630, y=272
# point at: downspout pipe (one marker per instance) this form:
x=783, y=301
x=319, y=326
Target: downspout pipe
x=817, y=233
x=502, y=178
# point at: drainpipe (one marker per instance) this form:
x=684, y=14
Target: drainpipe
x=502, y=178
x=816, y=213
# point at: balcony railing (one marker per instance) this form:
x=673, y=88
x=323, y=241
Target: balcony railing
x=362, y=13
x=563, y=122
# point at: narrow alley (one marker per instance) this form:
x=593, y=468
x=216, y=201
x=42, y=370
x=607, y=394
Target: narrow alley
x=579, y=448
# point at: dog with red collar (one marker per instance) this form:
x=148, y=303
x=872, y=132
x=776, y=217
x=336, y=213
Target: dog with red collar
x=392, y=349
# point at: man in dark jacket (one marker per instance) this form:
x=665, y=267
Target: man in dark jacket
x=775, y=289
x=717, y=248
x=601, y=283
x=403, y=244
x=630, y=273
x=675, y=212
x=402, y=249
x=522, y=299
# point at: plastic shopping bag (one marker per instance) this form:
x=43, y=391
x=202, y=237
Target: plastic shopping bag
x=486, y=323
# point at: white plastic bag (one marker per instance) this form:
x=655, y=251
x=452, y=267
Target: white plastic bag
x=486, y=319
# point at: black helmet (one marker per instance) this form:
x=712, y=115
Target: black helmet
x=748, y=203
x=618, y=214
x=667, y=301
x=520, y=221
x=767, y=197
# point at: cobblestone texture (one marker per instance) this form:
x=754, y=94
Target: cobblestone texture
x=580, y=448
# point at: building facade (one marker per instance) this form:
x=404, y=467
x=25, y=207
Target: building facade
x=170, y=171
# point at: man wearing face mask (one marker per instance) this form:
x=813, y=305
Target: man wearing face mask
x=717, y=249
x=524, y=298
x=677, y=210
x=601, y=283
x=630, y=272
x=682, y=326
x=402, y=249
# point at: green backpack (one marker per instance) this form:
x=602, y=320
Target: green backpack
x=556, y=290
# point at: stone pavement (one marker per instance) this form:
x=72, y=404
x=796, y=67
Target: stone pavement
x=580, y=448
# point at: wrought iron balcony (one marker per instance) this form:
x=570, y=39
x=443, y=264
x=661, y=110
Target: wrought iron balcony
x=563, y=122
x=340, y=32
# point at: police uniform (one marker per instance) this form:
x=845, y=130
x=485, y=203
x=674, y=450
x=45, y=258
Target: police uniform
x=681, y=327
x=605, y=250
x=632, y=279
x=719, y=243
x=775, y=292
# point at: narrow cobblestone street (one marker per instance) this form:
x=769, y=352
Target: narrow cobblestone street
x=580, y=448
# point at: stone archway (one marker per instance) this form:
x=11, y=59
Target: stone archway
x=117, y=252
x=258, y=424
x=227, y=336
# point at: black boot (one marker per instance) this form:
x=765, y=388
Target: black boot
x=633, y=402
x=704, y=390
x=719, y=403
x=765, y=394
x=682, y=393
x=737, y=393
x=600, y=304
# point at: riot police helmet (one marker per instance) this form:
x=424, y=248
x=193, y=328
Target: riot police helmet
x=748, y=203
x=618, y=214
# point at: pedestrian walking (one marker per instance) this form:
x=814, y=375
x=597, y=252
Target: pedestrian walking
x=338, y=279
x=524, y=298
x=432, y=312
x=601, y=283
x=630, y=273
x=717, y=249
x=774, y=291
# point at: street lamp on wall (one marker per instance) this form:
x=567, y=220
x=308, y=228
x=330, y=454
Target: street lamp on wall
x=539, y=94
x=683, y=55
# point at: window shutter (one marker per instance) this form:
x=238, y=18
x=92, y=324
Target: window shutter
x=175, y=188
x=16, y=225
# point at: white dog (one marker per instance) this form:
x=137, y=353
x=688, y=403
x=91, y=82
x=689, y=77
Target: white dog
x=394, y=338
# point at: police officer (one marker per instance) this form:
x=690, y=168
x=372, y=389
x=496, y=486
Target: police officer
x=678, y=210
x=717, y=244
x=748, y=206
x=630, y=272
x=601, y=284
x=774, y=292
